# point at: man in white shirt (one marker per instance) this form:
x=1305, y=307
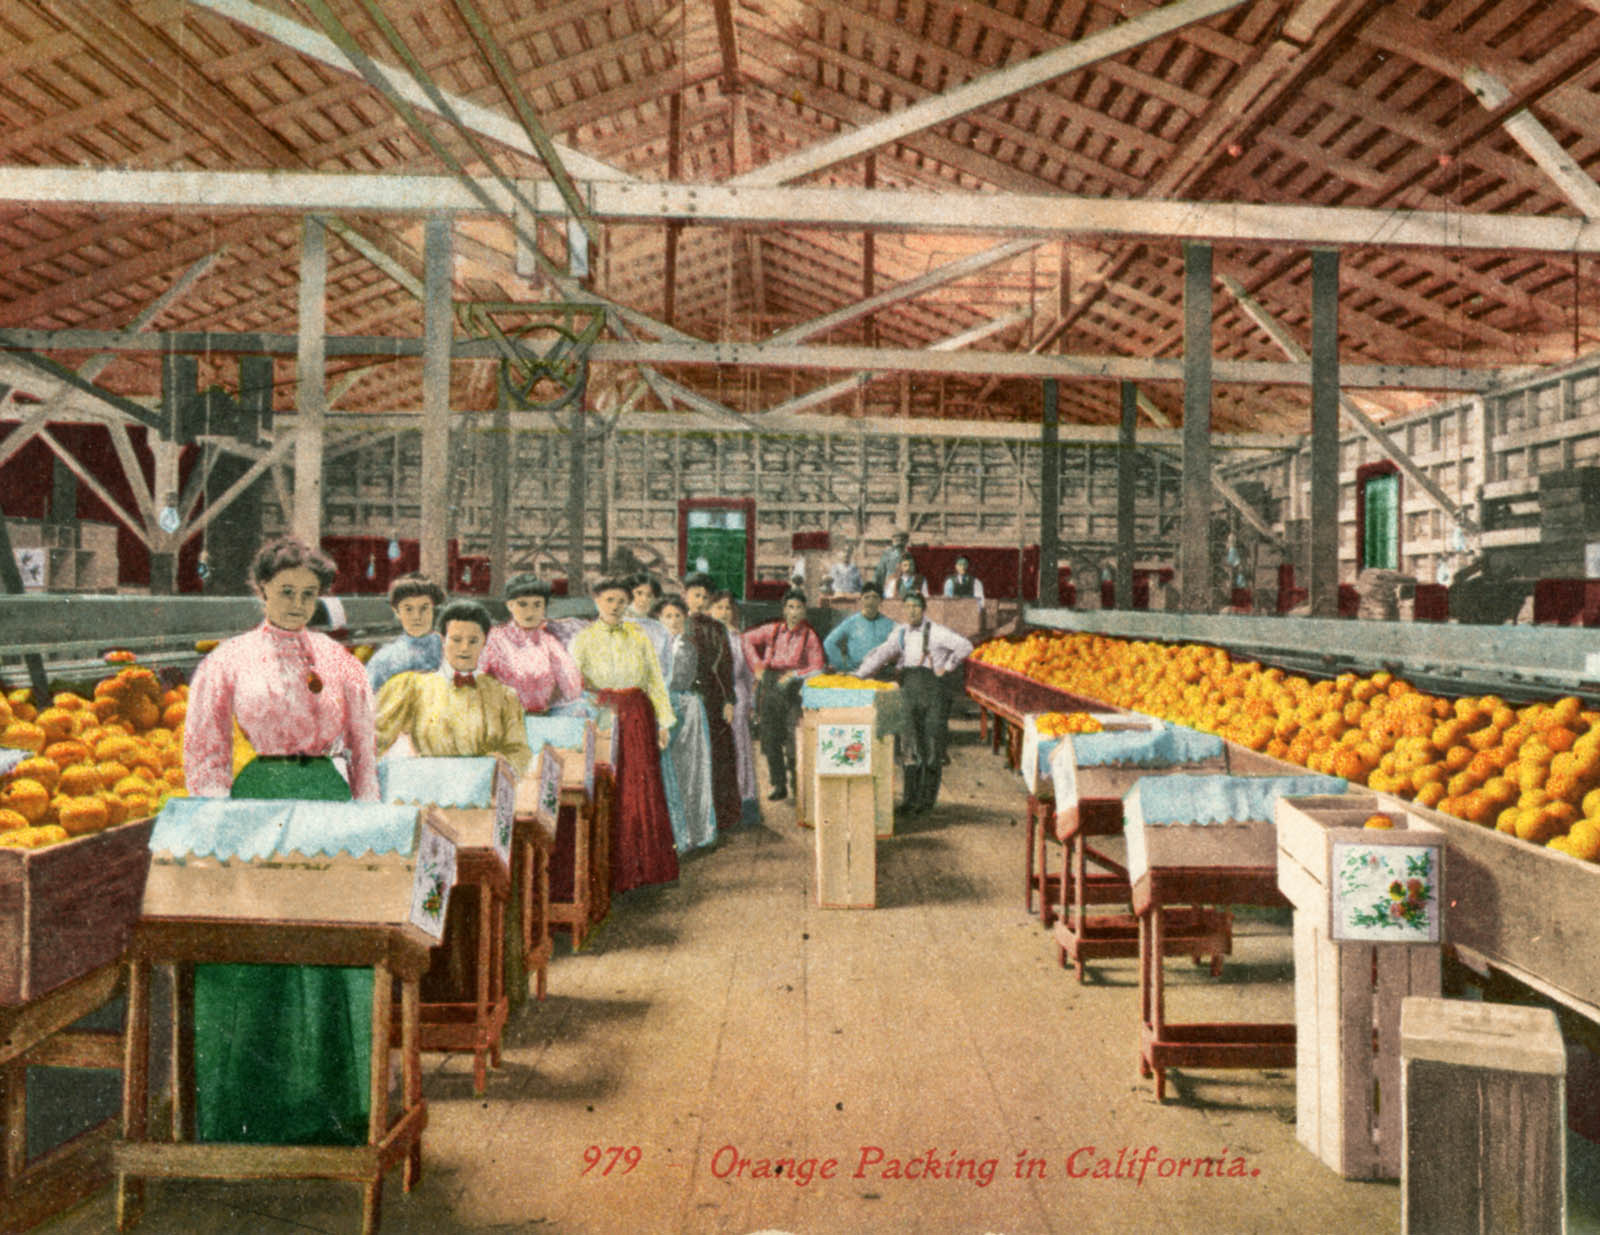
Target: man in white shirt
x=929, y=657
x=963, y=582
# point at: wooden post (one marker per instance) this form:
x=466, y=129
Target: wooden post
x=11, y=580
x=501, y=449
x=436, y=331
x=1194, y=541
x=1324, y=529
x=311, y=389
x=577, y=481
x=232, y=537
x=1050, y=496
x=1125, y=494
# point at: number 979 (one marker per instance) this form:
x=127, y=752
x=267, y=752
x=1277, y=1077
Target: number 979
x=618, y=1158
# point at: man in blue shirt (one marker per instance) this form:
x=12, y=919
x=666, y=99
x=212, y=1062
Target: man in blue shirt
x=413, y=599
x=859, y=633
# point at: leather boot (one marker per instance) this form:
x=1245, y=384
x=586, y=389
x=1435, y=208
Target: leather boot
x=911, y=802
x=931, y=777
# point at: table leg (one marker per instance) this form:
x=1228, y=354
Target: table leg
x=1158, y=998
x=1028, y=856
x=135, y=1088
x=378, y=1089
x=542, y=860
x=183, y=1092
x=582, y=873
x=525, y=886
x=14, y=1161
x=411, y=1070
x=497, y=974
x=480, y=1047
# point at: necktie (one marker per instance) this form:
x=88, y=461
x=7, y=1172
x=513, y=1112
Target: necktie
x=466, y=679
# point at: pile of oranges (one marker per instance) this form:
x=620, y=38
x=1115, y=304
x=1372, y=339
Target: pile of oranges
x=1059, y=724
x=93, y=762
x=1532, y=771
x=846, y=681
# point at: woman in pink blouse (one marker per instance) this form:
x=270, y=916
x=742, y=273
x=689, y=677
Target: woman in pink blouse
x=280, y=1058
x=526, y=656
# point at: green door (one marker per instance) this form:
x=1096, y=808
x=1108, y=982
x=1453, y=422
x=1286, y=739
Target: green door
x=1380, y=538
x=716, y=543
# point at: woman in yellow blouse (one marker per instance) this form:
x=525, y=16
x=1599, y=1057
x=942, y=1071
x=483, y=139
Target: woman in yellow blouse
x=455, y=709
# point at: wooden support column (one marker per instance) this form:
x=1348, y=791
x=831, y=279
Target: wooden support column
x=311, y=385
x=669, y=294
x=180, y=384
x=232, y=538
x=501, y=450
x=1324, y=525
x=11, y=581
x=1194, y=540
x=436, y=332
x=1126, y=472
x=577, y=485
x=1050, y=496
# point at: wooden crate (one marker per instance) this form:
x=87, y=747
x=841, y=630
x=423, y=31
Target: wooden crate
x=1484, y=1116
x=1348, y=992
x=805, y=791
x=1523, y=907
x=847, y=847
x=69, y=908
x=846, y=815
x=1037, y=749
x=406, y=886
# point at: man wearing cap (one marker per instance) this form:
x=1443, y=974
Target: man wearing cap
x=889, y=560
x=963, y=583
x=782, y=654
x=929, y=657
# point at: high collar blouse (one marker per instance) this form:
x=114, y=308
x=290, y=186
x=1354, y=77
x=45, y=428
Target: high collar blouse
x=262, y=679
x=534, y=663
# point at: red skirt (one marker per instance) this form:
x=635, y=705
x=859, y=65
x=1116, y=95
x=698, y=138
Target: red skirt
x=642, y=851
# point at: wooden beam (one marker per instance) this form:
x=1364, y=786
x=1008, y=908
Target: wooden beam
x=1194, y=546
x=311, y=392
x=318, y=47
x=846, y=208
x=1112, y=41
x=1011, y=364
x=438, y=324
x=1323, y=537
x=1126, y=496
x=1279, y=334
x=1564, y=171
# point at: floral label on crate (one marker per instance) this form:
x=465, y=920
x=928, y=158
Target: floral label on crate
x=1385, y=893
x=505, y=811
x=430, y=889
x=844, y=750
x=549, y=785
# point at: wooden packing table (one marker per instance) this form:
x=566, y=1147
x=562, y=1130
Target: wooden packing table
x=451, y=1023
x=530, y=866
x=1187, y=930
x=37, y=1035
x=1230, y=1044
x=393, y=952
x=591, y=822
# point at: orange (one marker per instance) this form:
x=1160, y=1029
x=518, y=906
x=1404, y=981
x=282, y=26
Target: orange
x=135, y=785
x=80, y=779
x=1584, y=840
x=1457, y=757
x=81, y=815
x=24, y=735
x=56, y=723
x=67, y=752
x=116, y=808
x=139, y=806
x=1430, y=794
x=116, y=748
x=173, y=777
x=27, y=798
x=104, y=706
x=10, y=819
x=40, y=769
x=1559, y=738
x=1506, y=820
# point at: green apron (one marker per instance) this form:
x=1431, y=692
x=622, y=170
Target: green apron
x=282, y=1052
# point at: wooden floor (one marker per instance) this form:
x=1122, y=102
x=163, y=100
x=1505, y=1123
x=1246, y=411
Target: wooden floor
x=726, y=1020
